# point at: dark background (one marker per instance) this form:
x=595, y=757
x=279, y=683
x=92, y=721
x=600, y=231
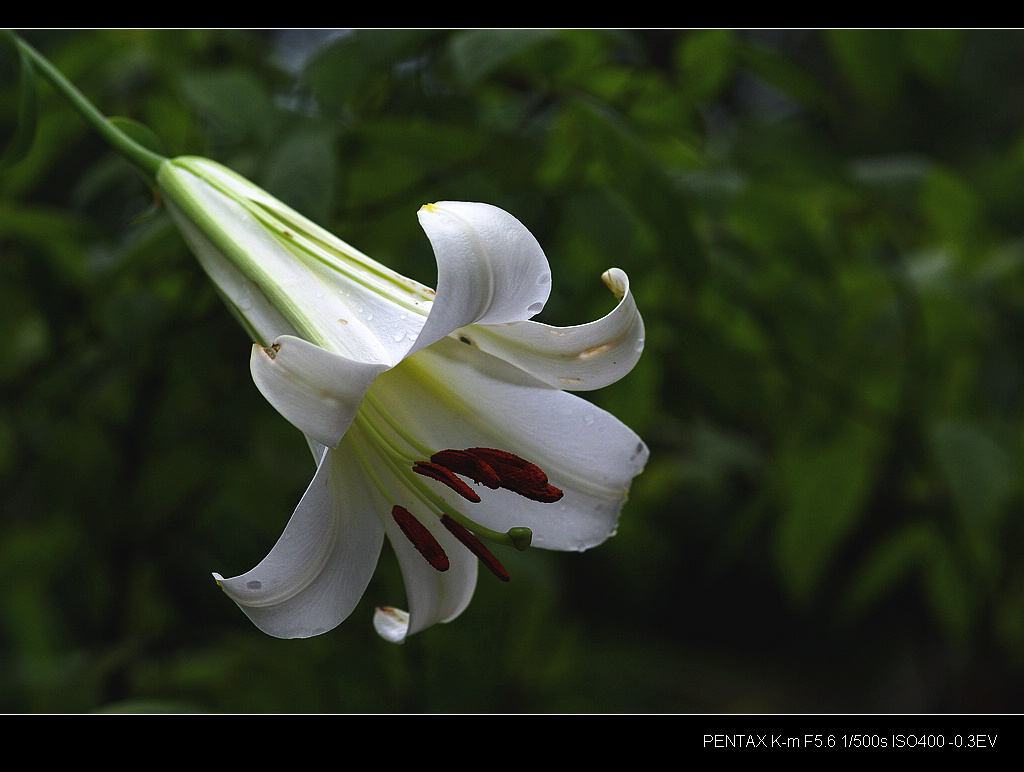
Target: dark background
x=823, y=231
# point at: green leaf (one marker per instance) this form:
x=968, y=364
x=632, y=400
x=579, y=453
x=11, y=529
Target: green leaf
x=918, y=550
x=18, y=145
x=824, y=483
x=478, y=53
x=871, y=60
x=980, y=474
x=707, y=61
x=934, y=52
x=952, y=209
x=140, y=133
x=301, y=170
x=234, y=102
x=786, y=75
x=638, y=175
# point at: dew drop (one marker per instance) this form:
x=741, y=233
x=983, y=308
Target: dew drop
x=535, y=308
x=254, y=585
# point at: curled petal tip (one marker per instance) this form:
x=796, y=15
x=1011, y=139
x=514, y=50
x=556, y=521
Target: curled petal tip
x=615, y=279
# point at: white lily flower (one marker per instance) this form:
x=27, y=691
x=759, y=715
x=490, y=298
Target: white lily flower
x=404, y=394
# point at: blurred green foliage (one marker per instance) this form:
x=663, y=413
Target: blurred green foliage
x=824, y=231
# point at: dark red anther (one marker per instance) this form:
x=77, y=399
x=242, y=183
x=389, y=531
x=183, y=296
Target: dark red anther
x=467, y=465
x=422, y=539
x=475, y=546
x=518, y=475
x=447, y=476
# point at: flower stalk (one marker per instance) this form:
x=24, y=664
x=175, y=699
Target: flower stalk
x=142, y=157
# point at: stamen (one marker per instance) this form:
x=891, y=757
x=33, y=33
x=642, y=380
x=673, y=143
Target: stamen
x=446, y=476
x=475, y=546
x=468, y=465
x=518, y=475
x=422, y=539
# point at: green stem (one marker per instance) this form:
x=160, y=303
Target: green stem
x=142, y=157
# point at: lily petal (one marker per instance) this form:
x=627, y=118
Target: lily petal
x=579, y=358
x=391, y=624
x=241, y=295
x=283, y=274
x=433, y=596
x=490, y=269
x=318, y=570
x=317, y=391
x=455, y=396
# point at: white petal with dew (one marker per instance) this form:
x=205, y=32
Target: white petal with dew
x=283, y=274
x=317, y=391
x=490, y=268
x=245, y=299
x=581, y=358
x=320, y=567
